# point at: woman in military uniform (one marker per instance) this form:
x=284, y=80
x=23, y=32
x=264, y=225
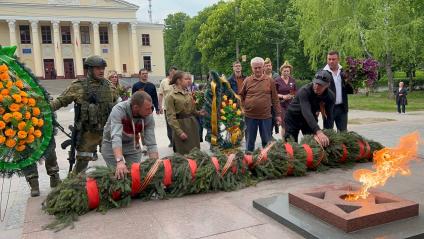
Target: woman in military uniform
x=181, y=114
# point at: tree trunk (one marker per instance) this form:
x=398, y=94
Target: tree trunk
x=389, y=72
x=411, y=77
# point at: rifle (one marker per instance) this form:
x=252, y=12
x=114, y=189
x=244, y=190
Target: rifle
x=75, y=136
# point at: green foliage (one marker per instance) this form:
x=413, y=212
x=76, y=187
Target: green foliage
x=174, y=26
x=380, y=102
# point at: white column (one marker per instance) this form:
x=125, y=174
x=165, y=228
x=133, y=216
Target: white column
x=77, y=49
x=58, y=60
x=134, y=48
x=116, y=52
x=38, y=66
x=12, y=32
x=96, y=37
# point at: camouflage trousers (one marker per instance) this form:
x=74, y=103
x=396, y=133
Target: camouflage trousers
x=50, y=163
x=87, y=149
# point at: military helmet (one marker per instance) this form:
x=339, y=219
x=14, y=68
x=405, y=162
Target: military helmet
x=94, y=61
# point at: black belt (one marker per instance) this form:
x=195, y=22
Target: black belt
x=183, y=116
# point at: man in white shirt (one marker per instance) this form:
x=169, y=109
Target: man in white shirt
x=341, y=87
x=164, y=90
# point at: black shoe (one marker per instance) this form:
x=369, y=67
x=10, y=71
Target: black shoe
x=54, y=180
x=35, y=189
x=169, y=145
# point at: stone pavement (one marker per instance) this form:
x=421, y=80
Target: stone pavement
x=214, y=215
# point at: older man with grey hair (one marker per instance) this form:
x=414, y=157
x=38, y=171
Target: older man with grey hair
x=129, y=122
x=258, y=94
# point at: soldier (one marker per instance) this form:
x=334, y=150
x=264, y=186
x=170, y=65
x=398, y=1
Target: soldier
x=93, y=99
x=31, y=172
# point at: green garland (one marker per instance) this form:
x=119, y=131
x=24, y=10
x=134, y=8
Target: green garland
x=218, y=172
x=24, y=159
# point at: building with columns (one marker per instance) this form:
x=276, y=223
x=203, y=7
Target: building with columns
x=54, y=37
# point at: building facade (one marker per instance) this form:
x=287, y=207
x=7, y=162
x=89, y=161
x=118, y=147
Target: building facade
x=54, y=37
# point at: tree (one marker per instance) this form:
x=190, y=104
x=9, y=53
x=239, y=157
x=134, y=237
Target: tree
x=378, y=28
x=188, y=56
x=174, y=26
x=252, y=22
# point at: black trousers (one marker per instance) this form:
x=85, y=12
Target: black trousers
x=399, y=106
x=339, y=117
x=295, y=124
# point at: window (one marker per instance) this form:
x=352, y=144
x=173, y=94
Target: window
x=104, y=37
x=25, y=36
x=85, y=34
x=147, y=63
x=124, y=68
x=66, y=34
x=46, y=35
x=145, y=39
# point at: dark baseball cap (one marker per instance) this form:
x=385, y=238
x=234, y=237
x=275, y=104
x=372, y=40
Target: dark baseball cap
x=322, y=77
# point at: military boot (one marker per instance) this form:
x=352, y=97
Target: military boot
x=35, y=188
x=54, y=180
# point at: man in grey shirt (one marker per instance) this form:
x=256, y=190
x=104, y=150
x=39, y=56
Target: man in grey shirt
x=129, y=122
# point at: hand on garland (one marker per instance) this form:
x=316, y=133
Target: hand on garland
x=121, y=170
x=321, y=138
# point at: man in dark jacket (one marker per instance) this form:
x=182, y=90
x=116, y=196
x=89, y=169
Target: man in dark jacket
x=237, y=78
x=309, y=101
x=341, y=88
x=148, y=87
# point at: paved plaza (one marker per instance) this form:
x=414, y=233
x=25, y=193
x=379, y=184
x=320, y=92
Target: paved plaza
x=214, y=215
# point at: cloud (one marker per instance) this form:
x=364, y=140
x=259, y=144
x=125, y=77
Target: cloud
x=161, y=8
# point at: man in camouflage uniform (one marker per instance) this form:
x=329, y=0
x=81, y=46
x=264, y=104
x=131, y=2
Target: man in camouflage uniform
x=31, y=172
x=93, y=99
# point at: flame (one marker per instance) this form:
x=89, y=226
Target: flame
x=388, y=162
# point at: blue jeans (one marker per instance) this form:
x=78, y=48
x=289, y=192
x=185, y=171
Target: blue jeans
x=252, y=126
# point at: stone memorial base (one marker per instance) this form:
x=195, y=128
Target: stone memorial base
x=322, y=212
x=328, y=204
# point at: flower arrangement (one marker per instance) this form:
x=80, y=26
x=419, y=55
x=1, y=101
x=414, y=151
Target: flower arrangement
x=231, y=118
x=21, y=120
x=362, y=72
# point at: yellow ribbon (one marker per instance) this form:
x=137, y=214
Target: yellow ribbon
x=225, y=81
x=235, y=134
x=214, y=116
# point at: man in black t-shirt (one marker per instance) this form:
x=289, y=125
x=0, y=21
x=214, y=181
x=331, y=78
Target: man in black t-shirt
x=310, y=100
x=148, y=87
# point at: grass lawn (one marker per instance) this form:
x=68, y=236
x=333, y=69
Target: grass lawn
x=380, y=102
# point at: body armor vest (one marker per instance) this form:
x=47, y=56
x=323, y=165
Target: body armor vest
x=96, y=105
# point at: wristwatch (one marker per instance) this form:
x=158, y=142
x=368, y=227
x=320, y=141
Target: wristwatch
x=120, y=159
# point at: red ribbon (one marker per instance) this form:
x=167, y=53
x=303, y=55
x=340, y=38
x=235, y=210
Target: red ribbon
x=167, y=178
x=368, y=150
x=234, y=169
x=248, y=160
x=116, y=195
x=135, y=179
x=93, y=195
x=344, y=156
x=215, y=163
x=289, y=150
x=309, y=156
x=361, y=150
x=193, y=167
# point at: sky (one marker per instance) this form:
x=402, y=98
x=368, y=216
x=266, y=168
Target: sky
x=161, y=8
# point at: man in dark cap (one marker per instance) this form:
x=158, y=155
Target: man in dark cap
x=310, y=100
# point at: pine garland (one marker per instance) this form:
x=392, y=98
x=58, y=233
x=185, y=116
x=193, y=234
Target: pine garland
x=198, y=172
